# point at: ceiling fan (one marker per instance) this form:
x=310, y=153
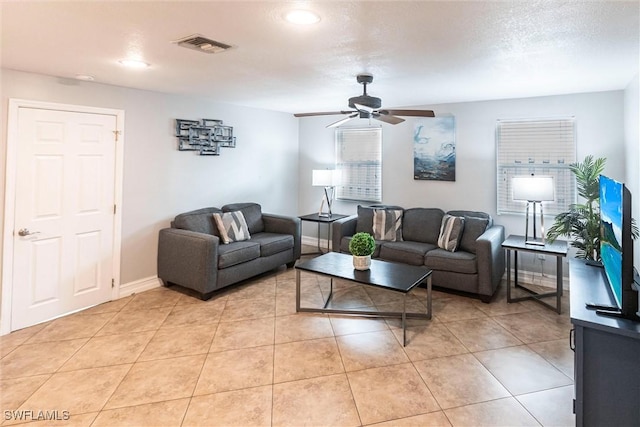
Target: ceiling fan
x=366, y=106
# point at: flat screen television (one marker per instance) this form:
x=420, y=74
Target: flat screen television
x=616, y=247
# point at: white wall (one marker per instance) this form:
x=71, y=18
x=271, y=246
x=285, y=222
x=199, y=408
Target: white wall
x=600, y=132
x=160, y=181
x=632, y=152
x=275, y=151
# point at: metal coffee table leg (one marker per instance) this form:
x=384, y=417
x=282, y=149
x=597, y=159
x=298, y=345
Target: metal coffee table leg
x=326, y=303
x=404, y=321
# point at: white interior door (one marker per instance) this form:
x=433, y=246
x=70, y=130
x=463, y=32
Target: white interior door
x=64, y=213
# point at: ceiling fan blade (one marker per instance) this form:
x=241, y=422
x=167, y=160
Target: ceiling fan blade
x=416, y=113
x=388, y=119
x=324, y=113
x=341, y=121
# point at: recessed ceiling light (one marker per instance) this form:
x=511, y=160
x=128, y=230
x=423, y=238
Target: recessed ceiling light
x=302, y=17
x=85, y=77
x=133, y=63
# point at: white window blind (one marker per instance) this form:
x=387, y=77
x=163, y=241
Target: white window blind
x=539, y=147
x=359, y=162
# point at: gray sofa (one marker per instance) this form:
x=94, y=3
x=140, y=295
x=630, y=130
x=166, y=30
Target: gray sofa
x=476, y=267
x=192, y=255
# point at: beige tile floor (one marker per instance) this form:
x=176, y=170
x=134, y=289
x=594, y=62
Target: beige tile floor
x=245, y=358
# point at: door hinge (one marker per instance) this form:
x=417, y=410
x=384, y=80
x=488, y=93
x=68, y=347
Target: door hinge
x=113, y=283
x=117, y=133
x=114, y=209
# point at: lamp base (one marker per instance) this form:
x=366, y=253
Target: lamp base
x=536, y=242
x=328, y=199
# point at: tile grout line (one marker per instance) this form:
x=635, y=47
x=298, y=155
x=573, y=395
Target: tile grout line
x=445, y=323
x=130, y=367
x=273, y=357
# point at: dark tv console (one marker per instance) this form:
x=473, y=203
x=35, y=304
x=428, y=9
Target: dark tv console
x=607, y=354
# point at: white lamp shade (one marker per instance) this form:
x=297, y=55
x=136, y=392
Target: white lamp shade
x=533, y=188
x=323, y=178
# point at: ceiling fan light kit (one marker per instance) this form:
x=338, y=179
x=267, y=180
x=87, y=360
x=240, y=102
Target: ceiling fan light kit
x=368, y=107
x=134, y=63
x=302, y=17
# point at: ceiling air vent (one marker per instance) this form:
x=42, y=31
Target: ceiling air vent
x=202, y=44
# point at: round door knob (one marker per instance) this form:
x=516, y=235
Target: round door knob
x=25, y=232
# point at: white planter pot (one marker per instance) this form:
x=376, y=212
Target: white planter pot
x=361, y=262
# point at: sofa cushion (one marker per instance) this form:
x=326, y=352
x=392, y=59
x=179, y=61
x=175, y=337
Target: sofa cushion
x=450, y=232
x=272, y=243
x=475, y=214
x=422, y=224
x=364, y=222
x=237, y=252
x=252, y=214
x=473, y=228
x=365, y=217
x=405, y=252
x=232, y=226
x=200, y=221
x=387, y=224
x=457, y=262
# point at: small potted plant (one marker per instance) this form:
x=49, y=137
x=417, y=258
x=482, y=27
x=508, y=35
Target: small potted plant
x=361, y=247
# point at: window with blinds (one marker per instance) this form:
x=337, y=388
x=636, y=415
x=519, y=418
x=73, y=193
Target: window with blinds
x=539, y=147
x=359, y=162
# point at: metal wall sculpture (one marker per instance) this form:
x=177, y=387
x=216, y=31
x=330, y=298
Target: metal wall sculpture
x=206, y=136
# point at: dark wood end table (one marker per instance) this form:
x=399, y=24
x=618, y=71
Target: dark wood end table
x=516, y=244
x=317, y=218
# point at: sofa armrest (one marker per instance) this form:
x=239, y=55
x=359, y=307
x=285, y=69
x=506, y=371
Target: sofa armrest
x=285, y=225
x=189, y=259
x=490, y=258
x=341, y=228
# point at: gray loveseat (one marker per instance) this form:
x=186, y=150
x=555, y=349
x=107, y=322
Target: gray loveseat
x=476, y=267
x=191, y=253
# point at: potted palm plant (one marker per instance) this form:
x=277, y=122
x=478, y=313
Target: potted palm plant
x=582, y=222
x=362, y=246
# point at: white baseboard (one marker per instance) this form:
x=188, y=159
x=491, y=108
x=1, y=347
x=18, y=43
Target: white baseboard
x=313, y=241
x=536, y=278
x=137, y=286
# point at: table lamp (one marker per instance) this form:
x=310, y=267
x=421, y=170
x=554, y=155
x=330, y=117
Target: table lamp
x=325, y=178
x=533, y=189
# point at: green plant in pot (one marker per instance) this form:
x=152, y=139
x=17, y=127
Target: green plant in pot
x=582, y=222
x=362, y=246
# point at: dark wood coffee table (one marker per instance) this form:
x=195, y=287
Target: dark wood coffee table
x=382, y=274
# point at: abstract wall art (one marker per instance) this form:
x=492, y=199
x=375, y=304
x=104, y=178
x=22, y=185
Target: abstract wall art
x=434, y=149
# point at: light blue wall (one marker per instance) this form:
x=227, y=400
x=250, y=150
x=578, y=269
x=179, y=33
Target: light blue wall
x=276, y=153
x=160, y=181
x=600, y=131
x=599, y=118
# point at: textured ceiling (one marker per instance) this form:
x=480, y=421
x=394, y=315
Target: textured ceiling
x=420, y=52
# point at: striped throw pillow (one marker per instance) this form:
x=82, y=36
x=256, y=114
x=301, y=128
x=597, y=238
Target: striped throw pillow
x=450, y=232
x=387, y=224
x=232, y=226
